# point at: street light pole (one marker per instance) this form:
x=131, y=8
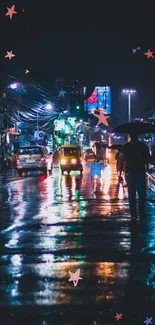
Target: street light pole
x=129, y=107
x=129, y=92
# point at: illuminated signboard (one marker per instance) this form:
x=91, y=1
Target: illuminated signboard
x=67, y=128
x=59, y=125
x=72, y=121
x=100, y=98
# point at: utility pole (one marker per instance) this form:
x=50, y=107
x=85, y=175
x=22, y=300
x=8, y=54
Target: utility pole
x=37, y=122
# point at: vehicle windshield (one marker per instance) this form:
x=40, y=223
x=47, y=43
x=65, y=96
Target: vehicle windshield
x=71, y=152
x=30, y=151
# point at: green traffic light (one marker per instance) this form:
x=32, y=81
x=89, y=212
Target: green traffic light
x=59, y=140
x=77, y=107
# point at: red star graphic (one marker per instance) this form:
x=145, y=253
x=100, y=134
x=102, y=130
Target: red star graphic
x=118, y=316
x=101, y=117
x=11, y=11
x=9, y=55
x=149, y=54
x=134, y=51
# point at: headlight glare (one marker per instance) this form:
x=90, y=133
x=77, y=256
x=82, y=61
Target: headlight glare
x=73, y=161
x=63, y=161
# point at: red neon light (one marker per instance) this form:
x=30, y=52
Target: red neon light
x=92, y=98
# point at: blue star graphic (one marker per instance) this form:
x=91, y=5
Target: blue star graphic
x=95, y=169
x=148, y=320
x=62, y=93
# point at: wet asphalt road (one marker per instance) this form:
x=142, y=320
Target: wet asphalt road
x=88, y=228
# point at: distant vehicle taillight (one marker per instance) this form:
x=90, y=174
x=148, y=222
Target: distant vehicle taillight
x=17, y=160
x=42, y=159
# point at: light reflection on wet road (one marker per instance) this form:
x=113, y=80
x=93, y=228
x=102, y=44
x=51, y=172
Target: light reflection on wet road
x=89, y=228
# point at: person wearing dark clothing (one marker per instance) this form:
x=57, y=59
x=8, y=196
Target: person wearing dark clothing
x=117, y=161
x=101, y=155
x=135, y=156
x=120, y=179
x=56, y=156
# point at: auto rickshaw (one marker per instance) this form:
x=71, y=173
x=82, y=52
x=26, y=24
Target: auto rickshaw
x=70, y=158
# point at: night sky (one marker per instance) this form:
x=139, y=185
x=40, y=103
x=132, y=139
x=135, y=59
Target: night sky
x=92, y=42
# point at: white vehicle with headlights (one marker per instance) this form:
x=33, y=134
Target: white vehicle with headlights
x=32, y=158
x=70, y=158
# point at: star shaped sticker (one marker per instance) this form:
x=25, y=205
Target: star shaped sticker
x=148, y=320
x=101, y=117
x=118, y=316
x=149, y=54
x=9, y=55
x=62, y=93
x=44, y=227
x=11, y=11
x=95, y=169
x=27, y=71
x=75, y=277
x=134, y=51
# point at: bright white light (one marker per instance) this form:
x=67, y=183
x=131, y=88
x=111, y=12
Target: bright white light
x=63, y=161
x=73, y=161
x=14, y=86
x=48, y=106
x=65, y=111
x=129, y=91
x=96, y=126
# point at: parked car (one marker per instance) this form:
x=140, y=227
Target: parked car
x=31, y=158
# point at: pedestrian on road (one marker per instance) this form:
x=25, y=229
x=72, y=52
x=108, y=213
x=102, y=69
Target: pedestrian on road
x=101, y=155
x=120, y=179
x=117, y=160
x=56, y=156
x=135, y=156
